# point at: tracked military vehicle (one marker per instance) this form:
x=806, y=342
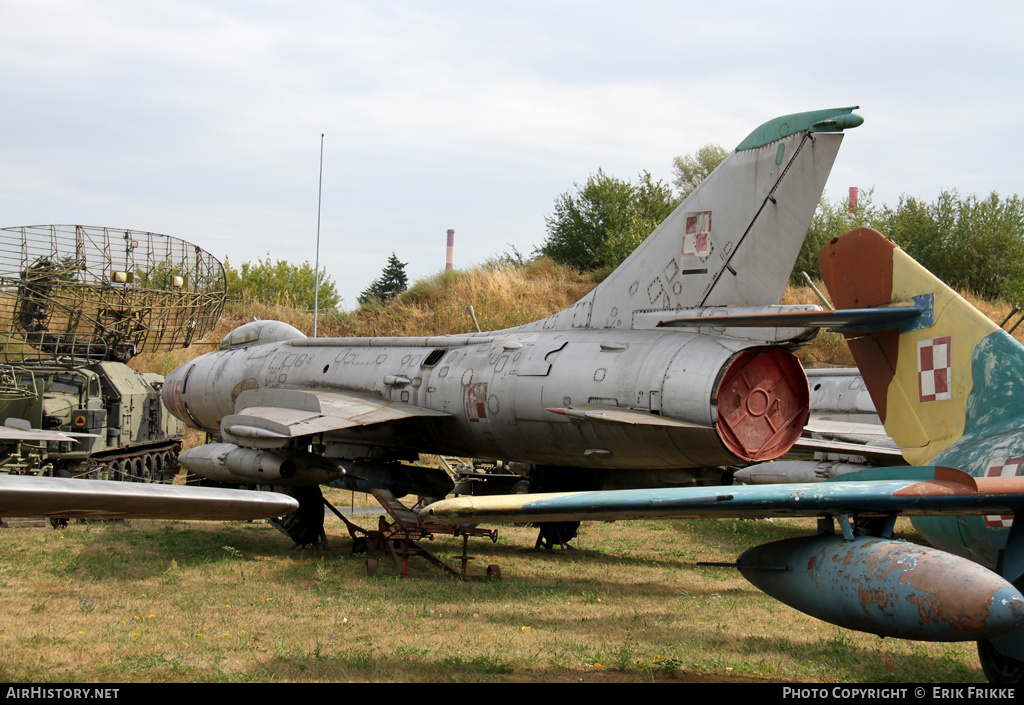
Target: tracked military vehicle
x=76, y=304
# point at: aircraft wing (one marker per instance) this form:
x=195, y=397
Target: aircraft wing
x=9, y=433
x=24, y=496
x=15, y=429
x=269, y=418
x=924, y=491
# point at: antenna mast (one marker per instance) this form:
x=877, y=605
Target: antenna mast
x=319, y=199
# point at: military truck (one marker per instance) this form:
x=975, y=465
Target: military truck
x=129, y=434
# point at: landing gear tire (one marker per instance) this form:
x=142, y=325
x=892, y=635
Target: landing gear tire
x=305, y=526
x=556, y=533
x=997, y=667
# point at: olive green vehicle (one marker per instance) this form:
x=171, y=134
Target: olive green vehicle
x=76, y=304
x=129, y=434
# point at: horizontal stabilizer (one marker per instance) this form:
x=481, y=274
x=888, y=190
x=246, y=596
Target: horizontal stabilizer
x=829, y=446
x=846, y=320
x=611, y=414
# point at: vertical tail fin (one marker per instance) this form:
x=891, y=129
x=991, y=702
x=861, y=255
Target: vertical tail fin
x=735, y=238
x=954, y=374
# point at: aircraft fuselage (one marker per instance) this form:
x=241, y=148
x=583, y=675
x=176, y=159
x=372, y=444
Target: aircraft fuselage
x=579, y=398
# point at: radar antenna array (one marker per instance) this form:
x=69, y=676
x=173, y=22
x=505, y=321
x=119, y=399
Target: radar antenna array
x=81, y=292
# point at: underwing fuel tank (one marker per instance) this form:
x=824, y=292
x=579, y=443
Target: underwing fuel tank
x=886, y=587
x=233, y=465
x=226, y=462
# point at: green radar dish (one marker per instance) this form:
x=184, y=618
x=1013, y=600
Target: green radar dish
x=81, y=292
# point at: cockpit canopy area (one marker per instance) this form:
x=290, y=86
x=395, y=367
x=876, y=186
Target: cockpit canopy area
x=258, y=333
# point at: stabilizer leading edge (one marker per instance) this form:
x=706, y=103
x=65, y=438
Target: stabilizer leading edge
x=734, y=240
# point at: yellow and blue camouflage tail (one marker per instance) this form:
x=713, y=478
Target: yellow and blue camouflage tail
x=949, y=373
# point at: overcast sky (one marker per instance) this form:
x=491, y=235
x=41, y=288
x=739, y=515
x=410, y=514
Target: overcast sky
x=202, y=119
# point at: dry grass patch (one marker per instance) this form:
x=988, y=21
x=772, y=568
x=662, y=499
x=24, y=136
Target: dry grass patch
x=155, y=601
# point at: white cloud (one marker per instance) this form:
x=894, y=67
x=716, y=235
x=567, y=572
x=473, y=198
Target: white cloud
x=202, y=120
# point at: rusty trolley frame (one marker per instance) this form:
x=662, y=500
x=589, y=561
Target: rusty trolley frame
x=400, y=539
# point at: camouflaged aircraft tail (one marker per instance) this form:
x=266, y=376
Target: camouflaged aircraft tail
x=947, y=373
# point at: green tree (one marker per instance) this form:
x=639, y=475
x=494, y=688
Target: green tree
x=392, y=282
x=280, y=282
x=831, y=220
x=980, y=244
x=968, y=242
x=693, y=168
x=604, y=209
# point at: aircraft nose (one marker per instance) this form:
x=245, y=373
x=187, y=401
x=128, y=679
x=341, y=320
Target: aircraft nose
x=171, y=392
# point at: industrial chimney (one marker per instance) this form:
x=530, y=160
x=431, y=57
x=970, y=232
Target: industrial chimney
x=451, y=249
x=854, y=192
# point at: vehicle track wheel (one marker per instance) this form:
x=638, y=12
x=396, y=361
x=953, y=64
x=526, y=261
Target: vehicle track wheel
x=134, y=466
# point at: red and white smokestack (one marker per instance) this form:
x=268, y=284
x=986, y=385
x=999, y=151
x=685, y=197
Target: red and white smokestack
x=451, y=249
x=854, y=192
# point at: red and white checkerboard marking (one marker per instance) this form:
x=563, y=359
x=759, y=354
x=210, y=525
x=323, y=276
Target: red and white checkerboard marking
x=1002, y=468
x=697, y=239
x=476, y=403
x=935, y=372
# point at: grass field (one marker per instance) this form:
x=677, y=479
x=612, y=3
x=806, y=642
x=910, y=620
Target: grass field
x=230, y=602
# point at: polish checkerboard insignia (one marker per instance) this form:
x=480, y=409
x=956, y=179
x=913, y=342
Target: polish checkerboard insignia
x=1002, y=468
x=697, y=239
x=476, y=403
x=934, y=369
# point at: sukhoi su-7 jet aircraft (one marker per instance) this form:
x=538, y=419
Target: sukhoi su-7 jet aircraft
x=596, y=394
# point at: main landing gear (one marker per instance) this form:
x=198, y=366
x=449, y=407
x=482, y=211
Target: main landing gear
x=305, y=526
